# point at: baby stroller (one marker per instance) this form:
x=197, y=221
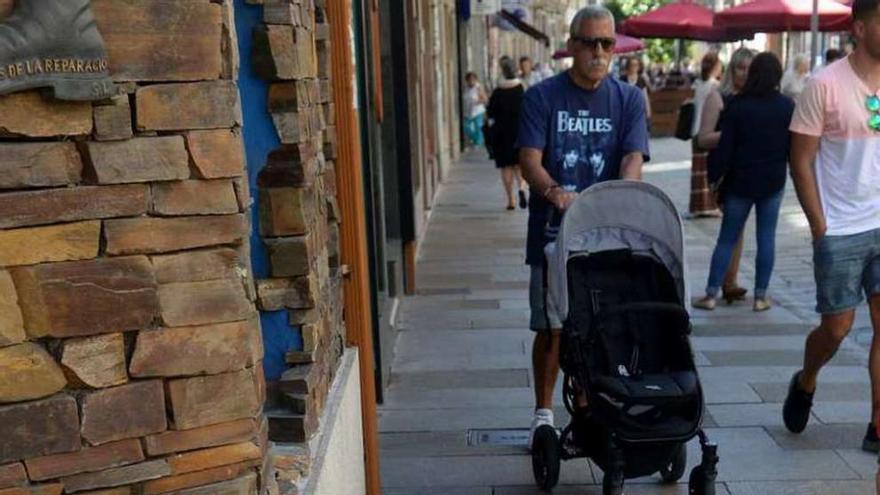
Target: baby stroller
x=616, y=278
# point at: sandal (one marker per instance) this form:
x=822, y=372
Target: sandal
x=734, y=293
x=523, y=201
x=761, y=304
x=707, y=303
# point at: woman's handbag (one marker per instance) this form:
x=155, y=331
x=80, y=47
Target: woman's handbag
x=685, y=123
x=487, y=138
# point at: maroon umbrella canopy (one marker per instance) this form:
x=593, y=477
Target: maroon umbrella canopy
x=681, y=20
x=627, y=44
x=776, y=16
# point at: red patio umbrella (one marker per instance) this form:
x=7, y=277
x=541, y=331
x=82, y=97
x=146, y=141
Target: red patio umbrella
x=624, y=44
x=777, y=16
x=683, y=19
x=627, y=44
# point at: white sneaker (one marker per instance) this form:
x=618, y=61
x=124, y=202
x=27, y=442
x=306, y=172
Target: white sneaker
x=542, y=417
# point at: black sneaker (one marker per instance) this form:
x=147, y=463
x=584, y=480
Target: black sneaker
x=523, y=201
x=871, y=443
x=796, y=410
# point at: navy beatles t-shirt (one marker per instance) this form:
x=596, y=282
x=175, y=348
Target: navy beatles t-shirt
x=584, y=135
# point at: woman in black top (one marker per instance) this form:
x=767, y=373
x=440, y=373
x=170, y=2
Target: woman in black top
x=752, y=161
x=503, y=112
x=634, y=73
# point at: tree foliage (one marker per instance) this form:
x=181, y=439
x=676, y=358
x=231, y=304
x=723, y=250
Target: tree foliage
x=658, y=50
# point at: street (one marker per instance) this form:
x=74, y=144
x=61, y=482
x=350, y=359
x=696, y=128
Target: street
x=456, y=413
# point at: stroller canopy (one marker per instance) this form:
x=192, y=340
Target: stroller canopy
x=620, y=214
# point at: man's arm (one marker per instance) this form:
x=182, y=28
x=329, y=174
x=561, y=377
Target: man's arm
x=532, y=170
x=803, y=153
x=631, y=166
x=635, y=140
x=540, y=181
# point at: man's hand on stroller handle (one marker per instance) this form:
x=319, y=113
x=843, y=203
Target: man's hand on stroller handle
x=541, y=181
x=560, y=198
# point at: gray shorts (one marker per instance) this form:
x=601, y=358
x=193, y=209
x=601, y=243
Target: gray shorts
x=541, y=319
x=847, y=269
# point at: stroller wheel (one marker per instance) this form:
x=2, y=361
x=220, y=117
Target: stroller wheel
x=699, y=483
x=545, y=457
x=674, y=468
x=612, y=484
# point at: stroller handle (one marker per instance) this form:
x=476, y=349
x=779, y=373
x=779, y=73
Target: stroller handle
x=554, y=216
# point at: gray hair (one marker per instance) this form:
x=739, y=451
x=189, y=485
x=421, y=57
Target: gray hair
x=800, y=58
x=741, y=55
x=508, y=67
x=589, y=12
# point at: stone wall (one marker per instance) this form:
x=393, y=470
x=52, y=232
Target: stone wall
x=129, y=340
x=298, y=211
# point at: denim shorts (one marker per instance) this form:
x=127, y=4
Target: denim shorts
x=847, y=269
x=541, y=319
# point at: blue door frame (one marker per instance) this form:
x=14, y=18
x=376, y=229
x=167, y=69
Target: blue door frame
x=260, y=138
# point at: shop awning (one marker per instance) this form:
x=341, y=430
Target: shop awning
x=683, y=19
x=524, y=26
x=627, y=44
x=777, y=16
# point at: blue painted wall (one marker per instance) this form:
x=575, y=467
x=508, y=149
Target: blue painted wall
x=259, y=139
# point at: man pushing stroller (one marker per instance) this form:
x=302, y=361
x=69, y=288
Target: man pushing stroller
x=617, y=325
x=576, y=129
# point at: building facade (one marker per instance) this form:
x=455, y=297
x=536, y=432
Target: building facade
x=200, y=263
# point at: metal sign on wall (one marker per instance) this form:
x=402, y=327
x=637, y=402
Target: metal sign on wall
x=485, y=7
x=54, y=44
x=513, y=4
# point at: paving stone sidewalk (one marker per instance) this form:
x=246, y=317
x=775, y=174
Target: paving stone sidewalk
x=461, y=391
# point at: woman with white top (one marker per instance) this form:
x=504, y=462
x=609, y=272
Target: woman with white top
x=701, y=201
x=710, y=72
x=795, y=77
x=474, y=109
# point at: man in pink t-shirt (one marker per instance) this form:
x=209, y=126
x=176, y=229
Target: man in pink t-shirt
x=835, y=165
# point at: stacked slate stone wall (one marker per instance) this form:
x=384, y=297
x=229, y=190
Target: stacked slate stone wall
x=130, y=346
x=299, y=217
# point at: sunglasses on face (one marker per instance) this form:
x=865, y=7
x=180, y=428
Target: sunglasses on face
x=872, y=103
x=607, y=44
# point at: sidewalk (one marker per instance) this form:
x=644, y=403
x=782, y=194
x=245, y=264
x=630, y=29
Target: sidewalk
x=461, y=395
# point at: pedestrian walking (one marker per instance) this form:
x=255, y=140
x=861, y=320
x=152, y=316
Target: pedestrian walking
x=634, y=74
x=835, y=165
x=527, y=74
x=474, y=109
x=709, y=136
x=832, y=55
x=710, y=72
x=702, y=203
x=796, y=76
x=577, y=128
x=543, y=70
x=504, y=114
x=753, y=160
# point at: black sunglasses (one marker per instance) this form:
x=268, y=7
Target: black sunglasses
x=591, y=43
